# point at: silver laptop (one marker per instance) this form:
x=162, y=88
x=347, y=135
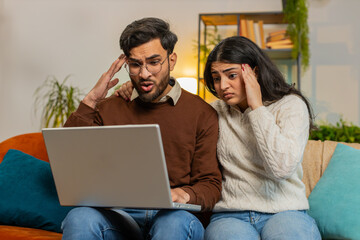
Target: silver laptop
x=110, y=166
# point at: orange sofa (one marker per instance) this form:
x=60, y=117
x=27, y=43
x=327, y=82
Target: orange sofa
x=316, y=158
x=32, y=144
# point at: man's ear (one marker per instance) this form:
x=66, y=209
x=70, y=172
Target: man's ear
x=172, y=60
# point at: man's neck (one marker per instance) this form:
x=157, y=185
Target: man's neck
x=165, y=92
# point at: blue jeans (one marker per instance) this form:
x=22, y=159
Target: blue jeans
x=98, y=223
x=289, y=225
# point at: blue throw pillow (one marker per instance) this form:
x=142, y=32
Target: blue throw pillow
x=335, y=200
x=28, y=194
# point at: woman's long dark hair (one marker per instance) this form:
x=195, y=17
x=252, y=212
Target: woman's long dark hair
x=241, y=50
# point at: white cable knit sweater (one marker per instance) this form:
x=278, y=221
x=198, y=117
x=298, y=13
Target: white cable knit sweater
x=261, y=152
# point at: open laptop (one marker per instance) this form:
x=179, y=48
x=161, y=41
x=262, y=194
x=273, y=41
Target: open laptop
x=110, y=166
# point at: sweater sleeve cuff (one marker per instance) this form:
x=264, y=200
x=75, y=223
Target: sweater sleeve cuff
x=258, y=113
x=85, y=110
x=189, y=191
x=83, y=116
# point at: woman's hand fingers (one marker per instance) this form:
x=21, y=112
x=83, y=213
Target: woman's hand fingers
x=125, y=90
x=253, y=91
x=129, y=89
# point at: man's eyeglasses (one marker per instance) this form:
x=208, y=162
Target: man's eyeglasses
x=153, y=67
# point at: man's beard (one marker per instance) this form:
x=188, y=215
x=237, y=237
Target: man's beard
x=155, y=92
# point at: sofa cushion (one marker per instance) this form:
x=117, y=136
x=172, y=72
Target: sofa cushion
x=28, y=194
x=329, y=148
x=21, y=233
x=334, y=202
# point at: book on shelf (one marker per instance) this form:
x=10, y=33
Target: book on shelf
x=282, y=31
x=262, y=35
x=277, y=37
x=279, y=42
x=257, y=34
x=282, y=46
x=250, y=30
x=243, y=26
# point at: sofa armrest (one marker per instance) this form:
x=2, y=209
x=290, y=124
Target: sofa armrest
x=30, y=143
x=312, y=163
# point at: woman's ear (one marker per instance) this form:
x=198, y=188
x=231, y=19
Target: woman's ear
x=256, y=71
x=172, y=60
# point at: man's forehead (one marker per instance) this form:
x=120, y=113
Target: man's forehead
x=148, y=50
x=142, y=58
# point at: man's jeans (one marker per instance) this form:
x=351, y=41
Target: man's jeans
x=289, y=225
x=98, y=223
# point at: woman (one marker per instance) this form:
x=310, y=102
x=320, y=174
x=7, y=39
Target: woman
x=264, y=126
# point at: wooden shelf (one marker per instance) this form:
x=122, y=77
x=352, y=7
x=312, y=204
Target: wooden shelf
x=212, y=19
x=219, y=19
x=269, y=19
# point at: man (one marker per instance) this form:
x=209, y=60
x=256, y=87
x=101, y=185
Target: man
x=189, y=129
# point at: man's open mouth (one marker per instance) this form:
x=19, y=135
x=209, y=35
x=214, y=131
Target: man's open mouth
x=146, y=86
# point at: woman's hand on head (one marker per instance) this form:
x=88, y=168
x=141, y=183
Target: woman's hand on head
x=252, y=87
x=125, y=90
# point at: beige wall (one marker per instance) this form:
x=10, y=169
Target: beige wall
x=333, y=81
x=80, y=37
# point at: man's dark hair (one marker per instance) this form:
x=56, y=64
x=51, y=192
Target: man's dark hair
x=145, y=30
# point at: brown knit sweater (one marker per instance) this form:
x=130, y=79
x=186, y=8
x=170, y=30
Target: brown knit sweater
x=189, y=131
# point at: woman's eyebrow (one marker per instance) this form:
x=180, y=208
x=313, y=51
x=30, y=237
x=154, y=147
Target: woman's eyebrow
x=229, y=69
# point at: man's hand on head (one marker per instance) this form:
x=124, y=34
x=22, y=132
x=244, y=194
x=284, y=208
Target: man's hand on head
x=105, y=83
x=180, y=196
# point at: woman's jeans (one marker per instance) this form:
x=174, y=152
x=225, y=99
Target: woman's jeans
x=98, y=223
x=289, y=225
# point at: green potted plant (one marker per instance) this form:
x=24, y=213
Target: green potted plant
x=57, y=100
x=340, y=132
x=296, y=15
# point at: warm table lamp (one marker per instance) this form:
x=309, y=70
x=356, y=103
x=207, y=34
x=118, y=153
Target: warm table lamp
x=189, y=84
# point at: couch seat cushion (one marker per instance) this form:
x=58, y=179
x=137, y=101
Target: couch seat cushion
x=21, y=233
